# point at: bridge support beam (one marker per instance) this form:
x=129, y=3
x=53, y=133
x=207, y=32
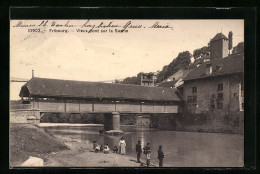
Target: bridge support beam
x=112, y=121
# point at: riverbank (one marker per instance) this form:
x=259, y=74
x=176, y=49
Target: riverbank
x=28, y=140
x=87, y=158
x=81, y=154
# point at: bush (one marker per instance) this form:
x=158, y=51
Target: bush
x=231, y=119
x=128, y=119
x=194, y=119
x=72, y=118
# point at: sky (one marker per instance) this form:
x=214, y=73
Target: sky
x=107, y=56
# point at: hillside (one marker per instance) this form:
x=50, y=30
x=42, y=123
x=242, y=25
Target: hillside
x=28, y=140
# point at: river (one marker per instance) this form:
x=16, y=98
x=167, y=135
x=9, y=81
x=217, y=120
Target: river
x=182, y=149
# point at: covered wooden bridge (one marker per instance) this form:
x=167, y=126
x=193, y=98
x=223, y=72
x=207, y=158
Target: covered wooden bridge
x=66, y=96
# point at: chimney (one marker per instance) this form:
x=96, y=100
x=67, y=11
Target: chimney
x=32, y=73
x=208, y=69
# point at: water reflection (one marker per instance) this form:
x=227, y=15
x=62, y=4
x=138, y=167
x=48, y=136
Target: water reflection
x=182, y=149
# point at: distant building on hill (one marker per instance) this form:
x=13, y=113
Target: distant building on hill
x=148, y=79
x=175, y=80
x=178, y=75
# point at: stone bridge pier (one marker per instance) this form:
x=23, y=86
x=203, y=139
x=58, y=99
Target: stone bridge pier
x=112, y=121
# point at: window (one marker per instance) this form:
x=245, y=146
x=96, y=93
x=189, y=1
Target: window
x=220, y=105
x=212, y=107
x=212, y=102
x=220, y=101
x=192, y=103
x=194, y=90
x=194, y=98
x=189, y=98
x=220, y=96
x=220, y=87
x=194, y=106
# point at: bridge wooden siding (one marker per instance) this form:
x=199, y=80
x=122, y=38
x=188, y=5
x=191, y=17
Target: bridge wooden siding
x=98, y=107
x=66, y=96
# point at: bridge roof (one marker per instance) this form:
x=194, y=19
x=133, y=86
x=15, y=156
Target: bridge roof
x=96, y=90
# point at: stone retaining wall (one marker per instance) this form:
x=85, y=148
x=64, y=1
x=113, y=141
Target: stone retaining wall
x=25, y=116
x=20, y=107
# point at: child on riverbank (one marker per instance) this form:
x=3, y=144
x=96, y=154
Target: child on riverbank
x=97, y=149
x=106, y=149
x=115, y=149
x=147, y=152
x=101, y=148
x=94, y=145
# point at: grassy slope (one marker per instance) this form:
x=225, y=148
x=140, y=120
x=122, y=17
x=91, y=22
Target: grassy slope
x=28, y=140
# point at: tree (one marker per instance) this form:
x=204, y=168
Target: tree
x=201, y=52
x=135, y=80
x=230, y=41
x=130, y=80
x=117, y=81
x=161, y=74
x=182, y=61
x=239, y=48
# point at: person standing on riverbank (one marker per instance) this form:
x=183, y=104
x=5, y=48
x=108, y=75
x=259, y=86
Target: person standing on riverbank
x=138, y=150
x=160, y=156
x=147, y=152
x=94, y=145
x=122, y=145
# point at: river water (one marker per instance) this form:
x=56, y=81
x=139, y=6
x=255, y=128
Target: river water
x=182, y=149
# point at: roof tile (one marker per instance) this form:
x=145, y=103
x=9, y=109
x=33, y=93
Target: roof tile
x=218, y=37
x=222, y=66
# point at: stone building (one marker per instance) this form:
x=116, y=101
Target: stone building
x=216, y=86
x=175, y=80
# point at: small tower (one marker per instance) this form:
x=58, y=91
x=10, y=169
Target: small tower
x=219, y=46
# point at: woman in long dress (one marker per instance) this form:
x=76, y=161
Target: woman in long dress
x=122, y=146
